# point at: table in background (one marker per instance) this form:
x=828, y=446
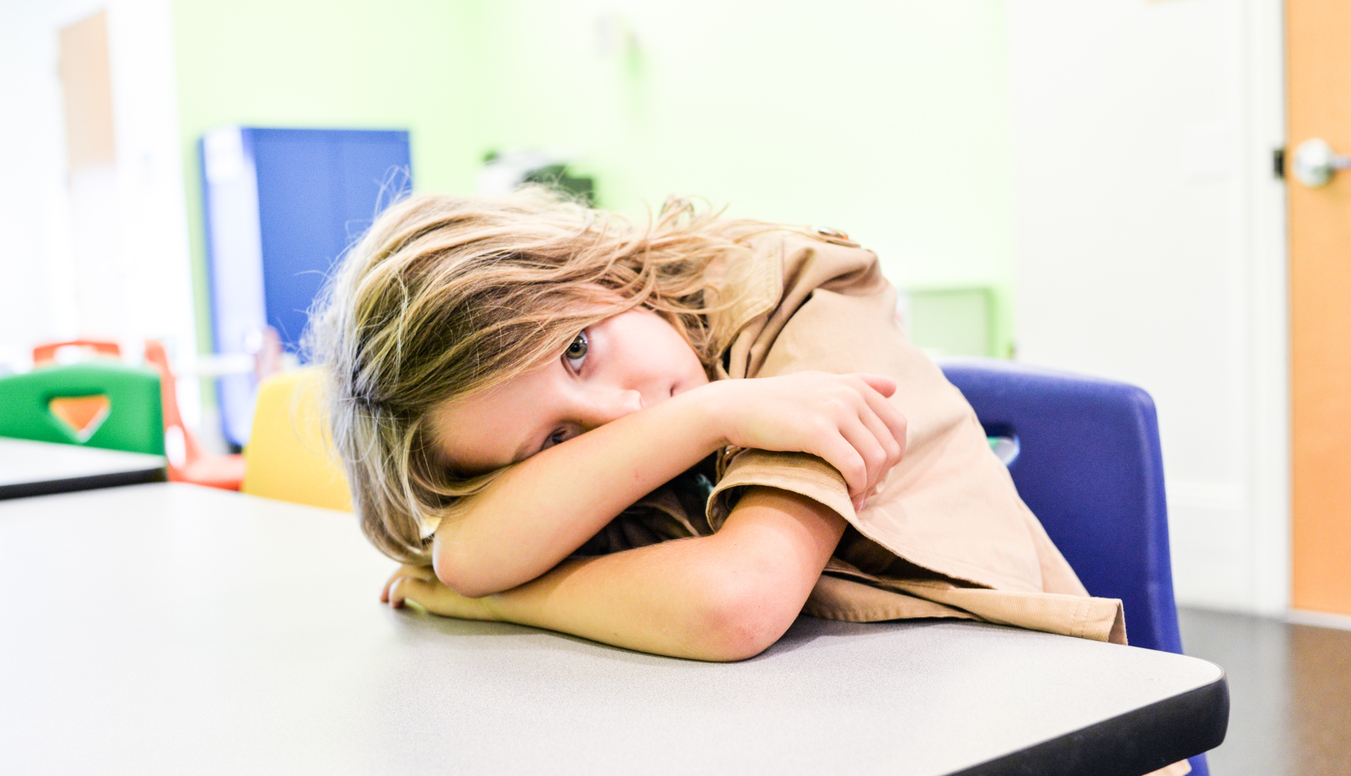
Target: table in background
x=30, y=468
x=169, y=629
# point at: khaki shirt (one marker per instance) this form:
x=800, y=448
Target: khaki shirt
x=945, y=534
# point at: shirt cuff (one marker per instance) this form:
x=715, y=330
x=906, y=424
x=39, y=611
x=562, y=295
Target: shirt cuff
x=800, y=473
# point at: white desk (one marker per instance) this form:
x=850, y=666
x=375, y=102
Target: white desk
x=175, y=629
x=35, y=468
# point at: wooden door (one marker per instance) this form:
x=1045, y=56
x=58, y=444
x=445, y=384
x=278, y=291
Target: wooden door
x=1318, y=57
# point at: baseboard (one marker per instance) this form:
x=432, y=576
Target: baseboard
x=1319, y=619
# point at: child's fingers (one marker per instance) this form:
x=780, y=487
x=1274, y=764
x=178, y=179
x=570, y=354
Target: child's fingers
x=891, y=425
x=891, y=448
x=880, y=383
x=890, y=416
x=870, y=448
x=406, y=571
x=884, y=422
x=405, y=591
x=839, y=452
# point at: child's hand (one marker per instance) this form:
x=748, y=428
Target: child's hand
x=844, y=419
x=418, y=588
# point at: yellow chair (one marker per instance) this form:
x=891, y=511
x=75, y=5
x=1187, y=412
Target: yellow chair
x=290, y=452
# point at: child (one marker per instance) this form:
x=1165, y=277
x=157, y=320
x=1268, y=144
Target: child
x=539, y=411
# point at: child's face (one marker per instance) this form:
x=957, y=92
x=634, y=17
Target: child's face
x=620, y=365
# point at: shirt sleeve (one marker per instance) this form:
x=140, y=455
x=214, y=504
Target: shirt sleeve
x=950, y=506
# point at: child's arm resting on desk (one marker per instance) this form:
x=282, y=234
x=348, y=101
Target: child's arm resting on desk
x=539, y=511
x=722, y=597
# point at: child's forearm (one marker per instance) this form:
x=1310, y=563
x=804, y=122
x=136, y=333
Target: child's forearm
x=722, y=597
x=541, y=510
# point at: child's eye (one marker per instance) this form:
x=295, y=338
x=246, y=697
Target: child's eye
x=575, y=355
x=556, y=438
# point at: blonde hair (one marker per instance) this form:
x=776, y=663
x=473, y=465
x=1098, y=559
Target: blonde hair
x=445, y=297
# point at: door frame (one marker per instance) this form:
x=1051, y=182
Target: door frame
x=1268, y=331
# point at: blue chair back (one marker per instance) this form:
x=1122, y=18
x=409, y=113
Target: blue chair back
x=1088, y=465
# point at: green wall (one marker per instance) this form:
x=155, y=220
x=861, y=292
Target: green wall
x=888, y=120
x=316, y=63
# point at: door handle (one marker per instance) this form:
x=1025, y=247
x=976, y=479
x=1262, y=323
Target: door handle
x=1315, y=163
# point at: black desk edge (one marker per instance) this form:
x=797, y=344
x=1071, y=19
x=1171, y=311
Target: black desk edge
x=1184, y=726
x=71, y=484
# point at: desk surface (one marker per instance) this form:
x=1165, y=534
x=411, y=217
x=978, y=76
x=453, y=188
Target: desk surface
x=30, y=468
x=169, y=628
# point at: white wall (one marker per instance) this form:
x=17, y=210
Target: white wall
x=153, y=225
x=122, y=239
x=34, y=214
x=1149, y=247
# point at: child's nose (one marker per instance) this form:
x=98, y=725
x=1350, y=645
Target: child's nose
x=613, y=405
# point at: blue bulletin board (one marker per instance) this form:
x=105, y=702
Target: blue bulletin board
x=281, y=207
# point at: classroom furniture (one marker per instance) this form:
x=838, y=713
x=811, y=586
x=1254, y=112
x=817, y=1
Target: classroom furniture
x=176, y=628
x=132, y=418
x=1089, y=467
x=46, y=352
x=29, y=468
x=281, y=206
x=198, y=466
x=77, y=412
x=290, y=454
x=195, y=465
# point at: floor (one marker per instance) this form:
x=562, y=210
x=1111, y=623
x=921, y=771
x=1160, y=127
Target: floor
x=1289, y=691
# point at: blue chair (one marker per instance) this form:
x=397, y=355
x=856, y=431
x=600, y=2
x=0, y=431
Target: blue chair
x=1084, y=455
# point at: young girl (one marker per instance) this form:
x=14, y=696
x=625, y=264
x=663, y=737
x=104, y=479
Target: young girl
x=546, y=413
